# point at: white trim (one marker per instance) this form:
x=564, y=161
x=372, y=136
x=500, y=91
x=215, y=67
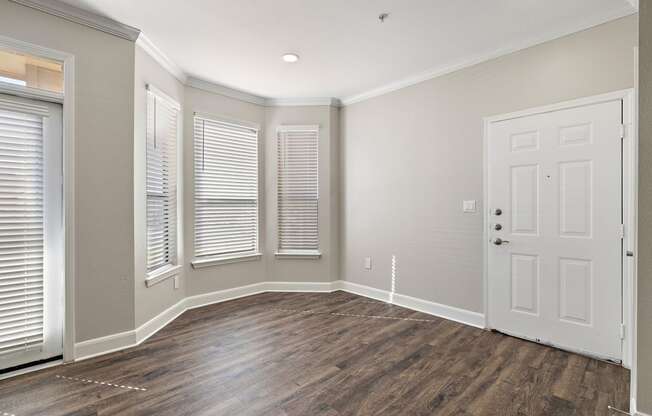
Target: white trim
x=164, y=97
x=104, y=345
x=197, y=301
x=565, y=105
x=451, y=313
x=83, y=17
x=506, y=50
x=628, y=97
x=111, y=343
x=69, y=184
x=298, y=255
x=162, y=59
x=257, y=99
x=68, y=124
x=159, y=276
x=633, y=384
x=292, y=102
x=366, y=291
x=159, y=322
x=226, y=91
x=214, y=261
x=308, y=287
x=33, y=49
x=31, y=92
x=630, y=215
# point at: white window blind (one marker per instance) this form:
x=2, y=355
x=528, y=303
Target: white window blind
x=226, y=189
x=21, y=230
x=162, y=131
x=298, y=189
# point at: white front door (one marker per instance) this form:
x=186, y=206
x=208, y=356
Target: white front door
x=555, y=226
x=31, y=231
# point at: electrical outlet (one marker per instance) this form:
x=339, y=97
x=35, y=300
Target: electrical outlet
x=367, y=263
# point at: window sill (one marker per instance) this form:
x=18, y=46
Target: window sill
x=214, y=261
x=299, y=255
x=161, y=275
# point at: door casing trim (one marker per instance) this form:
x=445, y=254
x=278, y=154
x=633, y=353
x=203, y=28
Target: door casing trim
x=68, y=124
x=630, y=198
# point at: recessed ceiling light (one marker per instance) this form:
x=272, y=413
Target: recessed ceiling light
x=291, y=57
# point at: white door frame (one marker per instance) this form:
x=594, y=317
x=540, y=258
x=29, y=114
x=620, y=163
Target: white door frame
x=67, y=99
x=630, y=197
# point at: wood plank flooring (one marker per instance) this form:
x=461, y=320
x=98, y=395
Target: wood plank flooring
x=282, y=354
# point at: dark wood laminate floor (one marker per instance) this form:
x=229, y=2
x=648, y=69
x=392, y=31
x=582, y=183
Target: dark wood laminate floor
x=267, y=355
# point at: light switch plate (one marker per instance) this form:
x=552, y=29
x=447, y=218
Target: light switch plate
x=469, y=206
x=176, y=282
x=367, y=263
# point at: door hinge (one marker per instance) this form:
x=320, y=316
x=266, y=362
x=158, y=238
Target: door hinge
x=622, y=131
x=622, y=331
x=622, y=231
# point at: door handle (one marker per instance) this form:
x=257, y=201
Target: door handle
x=500, y=241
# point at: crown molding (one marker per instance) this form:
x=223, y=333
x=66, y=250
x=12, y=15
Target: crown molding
x=83, y=17
x=291, y=102
x=226, y=91
x=515, y=47
x=162, y=59
x=256, y=99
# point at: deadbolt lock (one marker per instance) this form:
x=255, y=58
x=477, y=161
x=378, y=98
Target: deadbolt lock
x=498, y=227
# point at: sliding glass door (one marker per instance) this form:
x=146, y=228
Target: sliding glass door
x=31, y=231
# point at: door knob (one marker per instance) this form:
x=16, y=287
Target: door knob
x=497, y=211
x=500, y=241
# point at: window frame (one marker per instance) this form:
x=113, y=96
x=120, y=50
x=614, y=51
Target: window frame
x=172, y=269
x=199, y=262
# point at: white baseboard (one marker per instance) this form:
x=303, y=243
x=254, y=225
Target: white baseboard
x=111, y=343
x=366, y=291
x=198, y=301
x=104, y=345
x=116, y=342
x=300, y=286
x=432, y=308
x=157, y=323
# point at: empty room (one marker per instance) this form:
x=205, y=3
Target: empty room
x=344, y=207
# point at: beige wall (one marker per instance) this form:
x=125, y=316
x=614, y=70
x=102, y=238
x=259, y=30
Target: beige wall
x=150, y=301
x=411, y=157
x=304, y=270
x=644, y=370
x=104, y=126
x=223, y=276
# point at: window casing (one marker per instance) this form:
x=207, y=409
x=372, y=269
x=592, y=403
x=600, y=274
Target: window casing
x=161, y=182
x=298, y=190
x=226, y=190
